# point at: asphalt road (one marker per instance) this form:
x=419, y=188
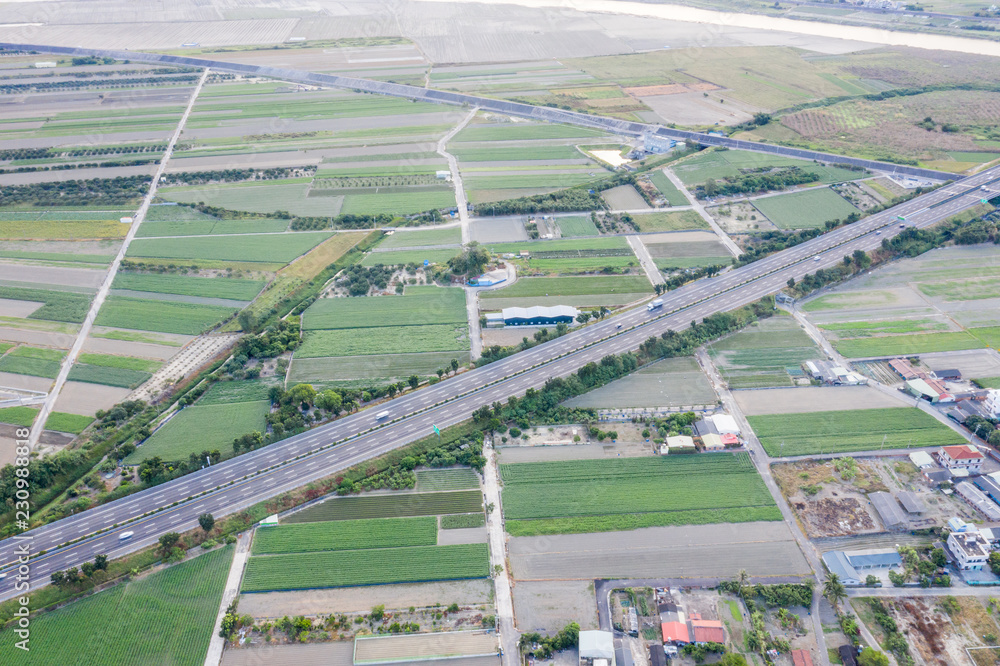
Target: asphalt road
x=613, y=125
x=245, y=480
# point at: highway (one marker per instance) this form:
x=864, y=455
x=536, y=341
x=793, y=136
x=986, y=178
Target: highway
x=613, y=125
x=245, y=480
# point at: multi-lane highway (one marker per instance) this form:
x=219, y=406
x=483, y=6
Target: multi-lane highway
x=240, y=482
x=613, y=125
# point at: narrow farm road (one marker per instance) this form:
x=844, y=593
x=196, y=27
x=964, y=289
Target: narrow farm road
x=733, y=248
x=102, y=293
x=498, y=556
x=456, y=176
x=475, y=330
x=645, y=260
x=215, y=647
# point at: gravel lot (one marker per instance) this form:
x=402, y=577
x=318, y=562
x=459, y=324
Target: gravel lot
x=548, y=606
x=812, y=399
x=763, y=549
x=82, y=398
x=362, y=599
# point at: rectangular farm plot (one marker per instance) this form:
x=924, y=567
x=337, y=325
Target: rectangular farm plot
x=267, y=198
x=685, y=250
x=850, y=430
x=403, y=257
x=185, y=285
x=261, y=248
x=372, y=366
x=624, y=197
x=65, y=306
x=577, y=225
x=384, y=340
x=245, y=390
x=669, y=221
x=621, y=494
x=366, y=567
x=573, y=255
x=421, y=238
x=768, y=353
x=175, y=220
x=674, y=382
x=200, y=427
x=346, y=535
x=719, y=164
x=19, y=416
x=575, y=286
x=442, y=306
x=673, y=195
x=112, y=627
x=893, y=345
x=32, y=361
x=809, y=209
x=122, y=371
x=71, y=423
x=163, y=316
x=450, y=478
x=387, y=506
x=438, y=645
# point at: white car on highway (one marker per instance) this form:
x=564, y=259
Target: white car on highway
x=125, y=535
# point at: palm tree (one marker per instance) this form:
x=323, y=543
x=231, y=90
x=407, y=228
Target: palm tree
x=742, y=578
x=834, y=590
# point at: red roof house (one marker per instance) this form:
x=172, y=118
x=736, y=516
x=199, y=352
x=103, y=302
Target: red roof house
x=675, y=632
x=961, y=456
x=729, y=439
x=708, y=631
x=801, y=658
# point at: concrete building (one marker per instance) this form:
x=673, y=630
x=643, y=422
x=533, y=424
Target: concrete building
x=597, y=648
x=992, y=402
x=978, y=500
x=961, y=456
x=675, y=633
x=937, y=476
x=539, y=315
x=922, y=459
x=851, y=565
x=970, y=549
x=711, y=442
x=677, y=443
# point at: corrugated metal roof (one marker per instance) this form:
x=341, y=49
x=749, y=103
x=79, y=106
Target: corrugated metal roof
x=921, y=459
x=875, y=557
x=836, y=561
x=540, y=311
x=911, y=502
x=597, y=645
x=887, y=508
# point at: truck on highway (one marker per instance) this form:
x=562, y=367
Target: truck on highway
x=655, y=305
x=381, y=416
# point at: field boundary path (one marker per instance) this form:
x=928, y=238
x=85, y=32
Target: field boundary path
x=102, y=293
x=214, y=655
x=645, y=259
x=456, y=176
x=733, y=248
x=475, y=330
x=498, y=555
x=762, y=462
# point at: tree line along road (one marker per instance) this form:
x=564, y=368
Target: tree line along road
x=548, y=114
x=251, y=478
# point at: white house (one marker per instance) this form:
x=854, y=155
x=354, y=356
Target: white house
x=992, y=403
x=970, y=548
x=961, y=456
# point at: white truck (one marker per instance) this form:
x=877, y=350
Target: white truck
x=655, y=305
x=381, y=416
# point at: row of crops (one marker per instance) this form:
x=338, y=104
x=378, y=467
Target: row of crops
x=346, y=535
x=604, y=495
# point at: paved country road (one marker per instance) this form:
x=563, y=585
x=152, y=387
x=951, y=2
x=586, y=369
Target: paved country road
x=245, y=480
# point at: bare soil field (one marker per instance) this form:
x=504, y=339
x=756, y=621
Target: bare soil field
x=763, y=549
x=124, y=348
x=502, y=336
x=812, y=399
x=72, y=277
x=671, y=383
x=18, y=309
x=463, y=535
x=362, y=599
x=939, y=638
x=336, y=653
x=972, y=364
x=542, y=453
x=548, y=606
x=12, y=380
x=694, y=108
x=87, y=399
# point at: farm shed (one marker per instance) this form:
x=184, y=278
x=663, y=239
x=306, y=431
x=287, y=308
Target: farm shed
x=937, y=476
x=539, y=315
x=494, y=319
x=888, y=510
x=675, y=633
x=911, y=503
x=421, y=647
x=836, y=562
x=921, y=459
x=904, y=369
x=707, y=631
x=677, y=443
x=847, y=564
x=712, y=442
x=989, y=486
x=978, y=500
x=951, y=374
x=848, y=655
x=725, y=424
x=920, y=388
x=597, y=646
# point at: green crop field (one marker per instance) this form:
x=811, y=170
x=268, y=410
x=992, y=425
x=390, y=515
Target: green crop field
x=32, y=361
x=514, y=181
x=561, y=245
x=463, y=521
x=904, y=345
x=673, y=195
x=625, y=493
x=114, y=626
x=422, y=238
x=402, y=257
x=576, y=265
x=125, y=362
x=366, y=567
x=292, y=197
x=415, y=200
x=246, y=390
x=450, y=478
x=58, y=305
x=990, y=335
x=473, y=153
x=670, y=221
x=100, y=374
x=765, y=354
x=867, y=329
x=19, y=416
x=384, y=340
x=850, y=430
x=387, y=506
x=985, y=382
x=577, y=225
x=809, y=209
x=720, y=164
x=368, y=367
x=567, y=286
x=961, y=290
x=442, y=306
x=163, y=316
x=346, y=535
x=184, y=285
x=201, y=427
x=675, y=382
x=524, y=132
x=266, y=248
x=71, y=423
